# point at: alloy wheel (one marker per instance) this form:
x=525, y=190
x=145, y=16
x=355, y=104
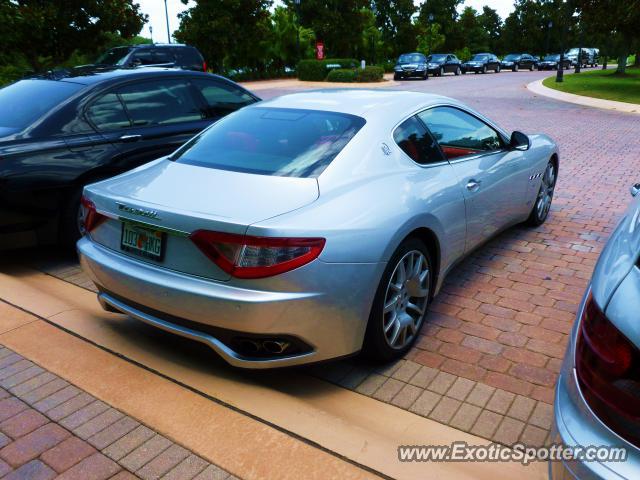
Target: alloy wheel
x=406, y=299
x=545, y=195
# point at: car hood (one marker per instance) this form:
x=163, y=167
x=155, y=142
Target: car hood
x=618, y=257
x=188, y=196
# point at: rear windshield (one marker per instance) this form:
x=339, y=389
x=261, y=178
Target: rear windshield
x=437, y=57
x=115, y=56
x=272, y=141
x=19, y=109
x=512, y=56
x=551, y=58
x=478, y=58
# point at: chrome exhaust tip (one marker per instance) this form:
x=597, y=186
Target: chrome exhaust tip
x=275, y=346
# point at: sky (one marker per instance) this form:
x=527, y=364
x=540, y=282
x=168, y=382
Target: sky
x=155, y=10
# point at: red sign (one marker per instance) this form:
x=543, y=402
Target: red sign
x=319, y=51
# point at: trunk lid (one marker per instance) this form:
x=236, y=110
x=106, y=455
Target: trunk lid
x=179, y=199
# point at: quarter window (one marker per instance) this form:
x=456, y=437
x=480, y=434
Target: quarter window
x=160, y=103
x=459, y=133
x=107, y=113
x=221, y=98
x=414, y=139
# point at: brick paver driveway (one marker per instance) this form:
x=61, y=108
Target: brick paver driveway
x=489, y=353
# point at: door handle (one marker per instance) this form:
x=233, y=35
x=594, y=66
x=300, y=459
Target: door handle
x=473, y=185
x=130, y=138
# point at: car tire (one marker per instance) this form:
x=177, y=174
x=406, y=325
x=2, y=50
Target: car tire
x=69, y=228
x=396, y=76
x=497, y=69
x=457, y=72
x=387, y=337
x=441, y=72
x=531, y=67
x=515, y=67
x=544, y=198
x=484, y=69
x=425, y=76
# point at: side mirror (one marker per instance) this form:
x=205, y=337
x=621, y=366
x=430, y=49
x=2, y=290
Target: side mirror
x=635, y=189
x=519, y=141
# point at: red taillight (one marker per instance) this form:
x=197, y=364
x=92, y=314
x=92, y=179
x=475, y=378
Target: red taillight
x=204, y=66
x=90, y=216
x=244, y=256
x=607, y=368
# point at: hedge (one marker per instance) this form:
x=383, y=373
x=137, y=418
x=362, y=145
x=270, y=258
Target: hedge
x=342, y=75
x=317, y=70
x=369, y=74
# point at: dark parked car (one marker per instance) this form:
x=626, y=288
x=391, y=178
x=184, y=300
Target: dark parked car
x=410, y=65
x=158, y=54
x=482, y=63
x=441, y=63
x=517, y=61
x=59, y=134
x=551, y=62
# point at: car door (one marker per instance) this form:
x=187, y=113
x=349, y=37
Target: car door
x=161, y=114
x=450, y=65
x=492, y=177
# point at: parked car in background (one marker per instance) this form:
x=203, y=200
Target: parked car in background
x=58, y=134
x=597, y=399
x=551, y=62
x=518, y=61
x=441, y=63
x=481, y=63
x=248, y=228
x=588, y=56
x=157, y=54
x=410, y=65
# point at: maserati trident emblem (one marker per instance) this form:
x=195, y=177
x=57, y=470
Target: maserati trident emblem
x=141, y=212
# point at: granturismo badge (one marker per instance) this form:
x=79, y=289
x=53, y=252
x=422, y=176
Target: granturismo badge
x=138, y=211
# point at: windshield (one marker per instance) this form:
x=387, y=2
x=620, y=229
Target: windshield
x=479, y=58
x=552, y=58
x=512, y=56
x=272, y=141
x=573, y=51
x=19, y=109
x=411, y=58
x=115, y=56
x=437, y=58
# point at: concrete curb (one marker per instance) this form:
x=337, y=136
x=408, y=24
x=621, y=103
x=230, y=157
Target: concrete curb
x=295, y=83
x=538, y=88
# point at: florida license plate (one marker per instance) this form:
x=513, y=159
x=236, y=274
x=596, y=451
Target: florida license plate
x=142, y=241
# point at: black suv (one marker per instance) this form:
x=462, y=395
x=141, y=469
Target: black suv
x=517, y=61
x=482, y=63
x=157, y=54
x=59, y=134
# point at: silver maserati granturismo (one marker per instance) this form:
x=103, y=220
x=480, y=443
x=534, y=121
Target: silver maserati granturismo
x=311, y=226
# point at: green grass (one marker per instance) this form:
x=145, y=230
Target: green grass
x=601, y=84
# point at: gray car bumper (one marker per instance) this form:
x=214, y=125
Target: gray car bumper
x=325, y=305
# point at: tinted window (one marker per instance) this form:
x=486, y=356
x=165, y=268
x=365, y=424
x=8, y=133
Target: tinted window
x=188, y=57
x=479, y=58
x=437, y=57
x=142, y=57
x=415, y=141
x=272, y=141
x=160, y=102
x=107, y=113
x=512, y=57
x=25, y=101
x=411, y=58
x=459, y=133
x=114, y=56
x=222, y=98
x=163, y=55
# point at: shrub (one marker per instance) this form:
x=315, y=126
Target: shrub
x=316, y=70
x=342, y=75
x=369, y=74
x=387, y=66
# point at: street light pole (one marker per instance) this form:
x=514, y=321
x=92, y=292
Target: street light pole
x=430, y=30
x=297, y=2
x=560, y=71
x=546, y=48
x=166, y=16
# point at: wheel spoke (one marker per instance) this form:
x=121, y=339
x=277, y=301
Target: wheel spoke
x=391, y=305
x=412, y=306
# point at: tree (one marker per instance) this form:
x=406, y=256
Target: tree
x=473, y=35
x=337, y=23
x=524, y=29
x=393, y=19
x=491, y=25
x=429, y=38
x=445, y=13
x=47, y=32
x=229, y=33
x=284, y=49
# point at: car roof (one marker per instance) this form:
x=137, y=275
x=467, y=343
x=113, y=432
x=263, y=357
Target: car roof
x=93, y=76
x=155, y=45
x=366, y=103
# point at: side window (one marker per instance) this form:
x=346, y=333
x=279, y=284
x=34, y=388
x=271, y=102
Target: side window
x=163, y=55
x=459, y=133
x=415, y=141
x=142, y=56
x=107, y=113
x=160, y=102
x=221, y=98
